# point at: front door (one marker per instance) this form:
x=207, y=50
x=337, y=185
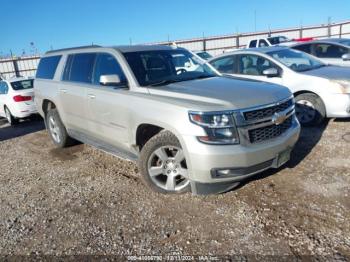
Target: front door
x=108, y=106
x=252, y=67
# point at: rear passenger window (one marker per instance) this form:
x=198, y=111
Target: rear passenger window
x=225, y=64
x=106, y=64
x=79, y=67
x=304, y=48
x=253, y=43
x=47, y=67
x=263, y=43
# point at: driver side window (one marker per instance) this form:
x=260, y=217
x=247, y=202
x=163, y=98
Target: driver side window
x=329, y=51
x=106, y=64
x=254, y=65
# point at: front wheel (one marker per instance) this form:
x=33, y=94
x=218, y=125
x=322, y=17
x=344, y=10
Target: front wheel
x=310, y=109
x=57, y=130
x=163, y=164
x=10, y=118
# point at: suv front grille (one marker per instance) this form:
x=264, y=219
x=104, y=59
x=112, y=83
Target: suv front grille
x=268, y=132
x=266, y=112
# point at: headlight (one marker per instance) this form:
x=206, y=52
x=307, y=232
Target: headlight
x=220, y=127
x=343, y=86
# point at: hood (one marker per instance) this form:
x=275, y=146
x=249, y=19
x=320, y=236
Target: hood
x=223, y=92
x=330, y=72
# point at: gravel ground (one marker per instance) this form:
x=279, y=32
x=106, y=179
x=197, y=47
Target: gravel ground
x=82, y=201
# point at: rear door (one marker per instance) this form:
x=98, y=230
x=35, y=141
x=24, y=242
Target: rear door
x=108, y=106
x=77, y=77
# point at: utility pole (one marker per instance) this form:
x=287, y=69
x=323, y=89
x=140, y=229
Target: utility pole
x=255, y=20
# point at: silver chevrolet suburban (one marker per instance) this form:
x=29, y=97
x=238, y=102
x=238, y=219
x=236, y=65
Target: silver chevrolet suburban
x=189, y=128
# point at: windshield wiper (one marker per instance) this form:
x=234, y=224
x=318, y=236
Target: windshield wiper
x=312, y=68
x=200, y=77
x=164, y=82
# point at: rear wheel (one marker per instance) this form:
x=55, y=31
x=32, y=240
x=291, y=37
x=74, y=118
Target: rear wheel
x=57, y=130
x=163, y=164
x=310, y=109
x=10, y=118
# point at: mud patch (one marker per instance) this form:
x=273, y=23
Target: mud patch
x=66, y=154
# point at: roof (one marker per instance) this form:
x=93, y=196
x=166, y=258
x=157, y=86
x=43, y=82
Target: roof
x=263, y=50
x=140, y=48
x=15, y=79
x=123, y=49
x=326, y=40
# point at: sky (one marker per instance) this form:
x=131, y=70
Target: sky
x=52, y=24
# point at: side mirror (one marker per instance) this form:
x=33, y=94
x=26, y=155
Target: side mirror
x=271, y=72
x=110, y=80
x=346, y=57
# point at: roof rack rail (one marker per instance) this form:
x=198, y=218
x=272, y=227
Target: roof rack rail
x=73, y=48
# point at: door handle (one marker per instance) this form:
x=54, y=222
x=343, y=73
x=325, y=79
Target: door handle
x=91, y=96
x=63, y=90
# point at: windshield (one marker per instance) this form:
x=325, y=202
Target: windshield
x=23, y=84
x=277, y=40
x=162, y=67
x=296, y=60
x=204, y=55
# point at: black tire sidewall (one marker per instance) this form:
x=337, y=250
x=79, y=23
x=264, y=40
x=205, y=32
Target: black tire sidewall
x=319, y=108
x=13, y=121
x=164, y=138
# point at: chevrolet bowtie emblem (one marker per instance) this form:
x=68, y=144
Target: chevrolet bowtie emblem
x=279, y=118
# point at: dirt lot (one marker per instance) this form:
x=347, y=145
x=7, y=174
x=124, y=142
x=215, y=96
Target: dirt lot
x=82, y=201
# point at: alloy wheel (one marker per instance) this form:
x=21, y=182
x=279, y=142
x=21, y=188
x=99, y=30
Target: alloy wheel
x=54, y=130
x=167, y=168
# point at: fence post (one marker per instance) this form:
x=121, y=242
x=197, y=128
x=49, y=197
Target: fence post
x=237, y=41
x=329, y=27
x=340, y=30
x=204, y=44
x=15, y=66
x=301, y=32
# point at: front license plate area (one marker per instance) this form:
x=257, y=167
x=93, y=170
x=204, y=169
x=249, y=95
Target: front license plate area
x=283, y=157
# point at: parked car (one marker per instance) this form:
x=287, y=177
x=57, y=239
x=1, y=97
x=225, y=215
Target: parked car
x=335, y=51
x=268, y=41
x=203, y=54
x=189, y=130
x=16, y=99
x=320, y=90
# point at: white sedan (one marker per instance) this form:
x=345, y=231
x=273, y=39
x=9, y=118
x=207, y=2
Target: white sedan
x=320, y=90
x=16, y=99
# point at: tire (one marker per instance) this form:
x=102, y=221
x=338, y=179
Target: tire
x=310, y=109
x=10, y=118
x=163, y=165
x=57, y=130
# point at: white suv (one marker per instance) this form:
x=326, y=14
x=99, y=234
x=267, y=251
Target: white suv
x=17, y=99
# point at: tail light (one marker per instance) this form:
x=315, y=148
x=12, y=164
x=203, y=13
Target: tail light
x=20, y=98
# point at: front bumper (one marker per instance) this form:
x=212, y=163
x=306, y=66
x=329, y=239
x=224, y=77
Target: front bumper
x=338, y=105
x=243, y=161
